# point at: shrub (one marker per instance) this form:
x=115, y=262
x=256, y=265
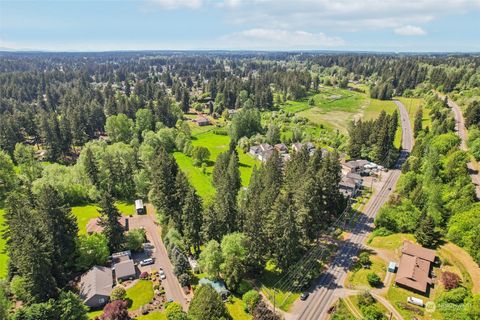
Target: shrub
x=115, y=310
x=456, y=295
x=18, y=286
x=251, y=299
x=450, y=280
x=118, y=293
x=135, y=239
x=364, y=259
x=184, y=279
x=373, y=279
x=372, y=313
x=365, y=299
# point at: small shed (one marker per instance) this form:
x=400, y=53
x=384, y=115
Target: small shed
x=392, y=267
x=218, y=285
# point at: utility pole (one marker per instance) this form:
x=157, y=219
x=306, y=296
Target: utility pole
x=274, y=309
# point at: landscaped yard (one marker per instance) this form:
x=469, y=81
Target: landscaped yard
x=87, y=212
x=3, y=255
x=358, y=279
x=216, y=144
x=156, y=315
x=392, y=242
x=140, y=294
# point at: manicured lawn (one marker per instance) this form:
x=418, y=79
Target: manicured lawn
x=87, y=212
x=396, y=295
x=358, y=279
x=3, y=255
x=236, y=308
x=94, y=314
x=140, y=294
x=392, y=242
x=216, y=144
x=156, y=315
x=84, y=214
x=283, y=299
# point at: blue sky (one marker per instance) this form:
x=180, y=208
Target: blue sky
x=367, y=25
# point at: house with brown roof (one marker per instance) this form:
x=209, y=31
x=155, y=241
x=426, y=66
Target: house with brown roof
x=95, y=286
x=414, y=267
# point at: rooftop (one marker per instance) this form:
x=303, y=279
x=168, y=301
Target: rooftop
x=97, y=280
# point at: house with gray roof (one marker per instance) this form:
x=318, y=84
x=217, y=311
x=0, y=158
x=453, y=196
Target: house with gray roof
x=95, y=286
x=125, y=270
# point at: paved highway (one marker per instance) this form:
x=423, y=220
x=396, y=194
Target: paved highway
x=323, y=292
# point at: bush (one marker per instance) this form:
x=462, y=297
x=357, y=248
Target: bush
x=118, y=293
x=373, y=279
x=456, y=295
x=18, y=286
x=184, y=279
x=372, y=313
x=251, y=299
x=365, y=299
x=135, y=239
x=364, y=259
x=450, y=280
x=115, y=310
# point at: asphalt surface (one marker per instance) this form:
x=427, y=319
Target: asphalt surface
x=159, y=253
x=325, y=289
x=462, y=133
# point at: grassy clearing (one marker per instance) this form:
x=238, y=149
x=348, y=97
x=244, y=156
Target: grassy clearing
x=283, y=299
x=342, y=311
x=392, y=242
x=357, y=279
x=3, y=255
x=140, y=294
x=397, y=295
x=453, y=258
x=216, y=144
x=412, y=105
x=87, y=212
x=354, y=301
x=236, y=308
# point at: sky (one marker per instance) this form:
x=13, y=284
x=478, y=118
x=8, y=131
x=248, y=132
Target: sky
x=339, y=25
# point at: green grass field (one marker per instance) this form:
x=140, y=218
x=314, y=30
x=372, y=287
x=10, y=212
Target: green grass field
x=140, y=294
x=3, y=255
x=87, y=212
x=391, y=242
x=236, y=308
x=358, y=279
x=216, y=144
x=412, y=105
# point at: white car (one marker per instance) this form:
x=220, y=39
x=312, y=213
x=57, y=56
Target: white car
x=146, y=262
x=162, y=275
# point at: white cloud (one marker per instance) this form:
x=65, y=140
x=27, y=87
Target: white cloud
x=410, y=31
x=277, y=39
x=176, y=4
x=345, y=15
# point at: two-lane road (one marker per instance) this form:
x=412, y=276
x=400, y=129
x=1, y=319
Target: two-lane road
x=326, y=288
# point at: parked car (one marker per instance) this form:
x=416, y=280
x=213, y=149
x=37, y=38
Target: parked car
x=304, y=296
x=146, y=262
x=162, y=275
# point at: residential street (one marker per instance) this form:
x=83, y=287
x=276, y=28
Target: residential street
x=171, y=284
x=328, y=287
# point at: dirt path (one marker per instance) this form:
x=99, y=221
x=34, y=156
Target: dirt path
x=472, y=268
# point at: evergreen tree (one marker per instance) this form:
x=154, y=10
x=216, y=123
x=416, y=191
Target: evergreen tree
x=417, y=125
x=425, y=233
x=163, y=195
x=109, y=220
x=91, y=168
x=207, y=304
x=192, y=220
x=185, y=101
x=61, y=227
x=283, y=233
x=29, y=248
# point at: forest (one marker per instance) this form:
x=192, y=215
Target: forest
x=80, y=129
